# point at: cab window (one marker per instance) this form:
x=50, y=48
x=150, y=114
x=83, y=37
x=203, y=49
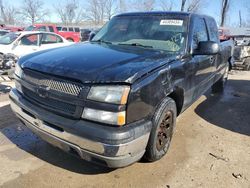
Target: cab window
x=77, y=29
x=51, y=29
x=199, y=32
x=64, y=29
x=42, y=28
x=213, y=30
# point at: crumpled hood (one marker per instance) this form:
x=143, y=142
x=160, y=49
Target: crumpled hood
x=95, y=63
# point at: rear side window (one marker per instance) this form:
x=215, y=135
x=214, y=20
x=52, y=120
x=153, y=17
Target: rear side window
x=64, y=29
x=71, y=29
x=213, y=30
x=199, y=32
x=50, y=39
x=77, y=29
x=51, y=29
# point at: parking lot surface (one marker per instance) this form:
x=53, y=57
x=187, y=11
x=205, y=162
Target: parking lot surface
x=210, y=148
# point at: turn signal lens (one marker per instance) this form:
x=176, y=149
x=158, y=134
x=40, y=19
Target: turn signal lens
x=113, y=118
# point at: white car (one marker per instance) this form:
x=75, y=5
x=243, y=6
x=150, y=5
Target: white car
x=26, y=42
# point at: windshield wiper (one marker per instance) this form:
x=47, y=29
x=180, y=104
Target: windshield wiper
x=135, y=44
x=102, y=41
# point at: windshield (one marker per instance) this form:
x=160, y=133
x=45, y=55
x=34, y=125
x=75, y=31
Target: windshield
x=156, y=32
x=30, y=28
x=8, y=38
x=3, y=33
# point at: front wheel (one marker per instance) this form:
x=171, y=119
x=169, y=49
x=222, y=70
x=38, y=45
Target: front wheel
x=219, y=86
x=161, y=134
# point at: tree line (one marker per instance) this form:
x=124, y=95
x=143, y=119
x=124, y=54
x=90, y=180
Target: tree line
x=97, y=11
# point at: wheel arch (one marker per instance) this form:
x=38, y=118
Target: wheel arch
x=178, y=96
x=70, y=38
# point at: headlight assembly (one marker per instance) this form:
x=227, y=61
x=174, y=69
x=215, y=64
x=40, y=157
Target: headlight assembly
x=109, y=94
x=18, y=71
x=117, y=95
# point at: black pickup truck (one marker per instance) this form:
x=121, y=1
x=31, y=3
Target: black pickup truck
x=115, y=99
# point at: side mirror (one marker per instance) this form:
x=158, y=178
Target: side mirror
x=91, y=36
x=207, y=48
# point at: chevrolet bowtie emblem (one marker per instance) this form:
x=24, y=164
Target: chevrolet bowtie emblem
x=43, y=91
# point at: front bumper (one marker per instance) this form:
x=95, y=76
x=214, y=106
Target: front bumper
x=110, y=146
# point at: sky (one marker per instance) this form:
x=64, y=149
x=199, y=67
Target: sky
x=211, y=7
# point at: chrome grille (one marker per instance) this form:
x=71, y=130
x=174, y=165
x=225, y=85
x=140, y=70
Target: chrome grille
x=55, y=84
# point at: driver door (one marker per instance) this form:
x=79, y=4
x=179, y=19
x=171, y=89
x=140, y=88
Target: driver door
x=204, y=63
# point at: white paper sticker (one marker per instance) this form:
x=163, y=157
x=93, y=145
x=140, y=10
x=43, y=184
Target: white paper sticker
x=172, y=22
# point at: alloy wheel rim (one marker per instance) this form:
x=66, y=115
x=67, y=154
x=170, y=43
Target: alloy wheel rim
x=164, y=132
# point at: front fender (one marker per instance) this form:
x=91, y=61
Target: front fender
x=147, y=93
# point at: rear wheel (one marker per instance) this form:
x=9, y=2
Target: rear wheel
x=162, y=131
x=247, y=64
x=219, y=86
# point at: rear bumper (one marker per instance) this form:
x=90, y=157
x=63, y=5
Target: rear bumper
x=109, y=146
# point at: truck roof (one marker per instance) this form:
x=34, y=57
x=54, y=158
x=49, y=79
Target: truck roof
x=162, y=13
x=154, y=13
x=43, y=24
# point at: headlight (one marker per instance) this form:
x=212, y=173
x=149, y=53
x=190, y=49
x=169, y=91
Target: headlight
x=18, y=70
x=113, y=118
x=109, y=94
x=18, y=87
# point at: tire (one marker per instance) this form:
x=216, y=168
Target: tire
x=1, y=60
x=219, y=86
x=247, y=64
x=161, y=134
x=70, y=40
x=247, y=68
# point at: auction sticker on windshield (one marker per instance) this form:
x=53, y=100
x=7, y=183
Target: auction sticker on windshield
x=172, y=22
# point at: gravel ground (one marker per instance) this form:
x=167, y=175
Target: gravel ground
x=210, y=148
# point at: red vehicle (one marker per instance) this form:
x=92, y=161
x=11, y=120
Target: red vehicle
x=224, y=34
x=72, y=36
x=11, y=28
